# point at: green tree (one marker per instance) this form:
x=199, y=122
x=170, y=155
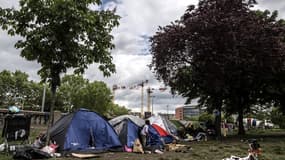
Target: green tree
x=117, y=110
x=221, y=51
x=70, y=89
x=34, y=96
x=204, y=117
x=62, y=34
x=95, y=96
x=14, y=88
x=278, y=117
x=77, y=92
x=6, y=84
x=21, y=87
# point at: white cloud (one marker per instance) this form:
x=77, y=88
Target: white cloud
x=131, y=71
x=9, y=3
x=139, y=19
x=272, y=5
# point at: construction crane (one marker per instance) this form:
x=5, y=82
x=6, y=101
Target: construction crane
x=150, y=97
x=142, y=84
x=149, y=91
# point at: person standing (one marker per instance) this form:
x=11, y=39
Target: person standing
x=225, y=128
x=144, y=133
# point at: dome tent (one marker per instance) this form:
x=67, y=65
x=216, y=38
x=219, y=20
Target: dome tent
x=164, y=128
x=164, y=124
x=128, y=128
x=84, y=130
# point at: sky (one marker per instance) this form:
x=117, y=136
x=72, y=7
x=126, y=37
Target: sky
x=139, y=21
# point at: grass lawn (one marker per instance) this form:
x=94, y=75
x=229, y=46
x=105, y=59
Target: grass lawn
x=272, y=143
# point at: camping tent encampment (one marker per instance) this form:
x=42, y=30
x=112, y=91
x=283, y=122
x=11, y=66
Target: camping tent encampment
x=164, y=123
x=164, y=128
x=154, y=138
x=127, y=127
x=84, y=130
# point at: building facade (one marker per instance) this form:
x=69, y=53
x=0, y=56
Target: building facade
x=186, y=111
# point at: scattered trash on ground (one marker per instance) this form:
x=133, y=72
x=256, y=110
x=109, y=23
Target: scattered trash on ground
x=253, y=151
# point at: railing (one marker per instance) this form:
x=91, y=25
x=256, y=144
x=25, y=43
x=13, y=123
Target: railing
x=36, y=116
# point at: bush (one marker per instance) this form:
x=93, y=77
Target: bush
x=278, y=118
x=204, y=117
x=229, y=119
x=193, y=118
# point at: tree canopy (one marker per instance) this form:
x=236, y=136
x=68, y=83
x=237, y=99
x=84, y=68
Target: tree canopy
x=62, y=34
x=14, y=87
x=223, y=52
x=77, y=92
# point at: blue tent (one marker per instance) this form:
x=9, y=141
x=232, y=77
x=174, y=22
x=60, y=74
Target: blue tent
x=154, y=137
x=128, y=128
x=84, y=130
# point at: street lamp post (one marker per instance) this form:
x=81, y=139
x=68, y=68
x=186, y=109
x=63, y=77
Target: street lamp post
x=167, y=112
x=152, y=97
x=44, y=96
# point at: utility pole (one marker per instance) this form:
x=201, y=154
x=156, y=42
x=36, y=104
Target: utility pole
x=44, y=96
x=142, y=84
x=167, y=112
x=152, y=97
x=142, y=98
x=148, y=98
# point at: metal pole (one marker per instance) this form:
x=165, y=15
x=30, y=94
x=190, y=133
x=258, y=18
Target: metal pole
x=142, y=84
x=167, y=112
x=142, y=100
x=148, y=99
x=152, y=105
x=44, y=96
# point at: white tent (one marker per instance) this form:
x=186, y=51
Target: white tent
x=163, y=123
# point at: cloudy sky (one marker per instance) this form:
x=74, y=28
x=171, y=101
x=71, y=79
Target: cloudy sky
x=139, y=20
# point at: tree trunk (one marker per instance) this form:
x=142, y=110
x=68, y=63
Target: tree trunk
x=241, y=130
x=51, y=113
x=218, y=118
x=282, y=104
